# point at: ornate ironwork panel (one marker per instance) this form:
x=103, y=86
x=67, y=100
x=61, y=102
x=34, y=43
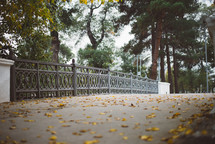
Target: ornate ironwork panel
x=33, y=79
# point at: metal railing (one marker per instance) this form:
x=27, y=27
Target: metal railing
x=33, y=79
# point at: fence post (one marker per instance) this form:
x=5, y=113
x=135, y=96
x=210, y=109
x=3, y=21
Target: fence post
x=131, y=81
x=74, y=77
x=88, y=81
x=38, y=80
x=109, y=84
x=13, y=83
x=156, y=91
x=57, y=80
x=99, y=83
x=146, y=84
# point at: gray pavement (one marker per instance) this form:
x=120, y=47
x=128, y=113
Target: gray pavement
x=105, y=119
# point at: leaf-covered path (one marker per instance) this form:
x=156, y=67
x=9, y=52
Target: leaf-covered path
x=105, y=119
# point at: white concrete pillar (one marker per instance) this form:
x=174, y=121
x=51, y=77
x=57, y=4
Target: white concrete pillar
x=163, y=88
x=5, y=79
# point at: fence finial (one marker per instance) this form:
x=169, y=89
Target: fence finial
x=73, y=61
x=108, y=67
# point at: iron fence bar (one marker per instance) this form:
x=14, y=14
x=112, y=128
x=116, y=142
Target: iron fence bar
x=44, y=90
x=117, y=81
x=131, y=84
x=109, y=77
x=74, y=78
x=38, y=81
x=47, y=71
x=96, y=80
x=57, y=80
x=93, y=68
x=24, y=69
x=88, y=81
x=99, y=79
x=13, y=83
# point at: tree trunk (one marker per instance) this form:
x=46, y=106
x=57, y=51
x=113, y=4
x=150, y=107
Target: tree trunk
x=55, y=43
x=175, y=65
x=89, y=32
x=156, y=50
x=95, y=41
x=55, y=46
x=169, y=69
x=153, y=39
x=162, y=71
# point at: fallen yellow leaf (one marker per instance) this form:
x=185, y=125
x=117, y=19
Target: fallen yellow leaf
x=124, y=126
x=152, y=115
x=170, y=141
x=124, y=119
x=48, y=114
x=91, y=142
x=173, y=131
x=92, y=132
x=29, y=120
x=153, y=129
x=102, y=113
x=125, y=137
x=98, y=136
x=77, y=134
x=2, y=121
x=94, y=123
x=25, y=129
x=121, y=134
x=83, y=131
x=112, y=130
x=188, y=132
x=175, y=136
x=61, y=105
x=53, y=138
x=12, y=127
x=65, y=125
x=146, y=138
x=53, y=132
x=204, y=132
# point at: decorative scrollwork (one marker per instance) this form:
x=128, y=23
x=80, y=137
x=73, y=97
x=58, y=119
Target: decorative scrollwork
x=35, y=79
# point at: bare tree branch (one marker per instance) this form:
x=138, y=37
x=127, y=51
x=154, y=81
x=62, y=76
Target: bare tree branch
x=89, y=32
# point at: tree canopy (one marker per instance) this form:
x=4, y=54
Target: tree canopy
x=173, y=31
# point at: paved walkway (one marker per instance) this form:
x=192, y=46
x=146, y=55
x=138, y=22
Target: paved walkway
x=104, y=119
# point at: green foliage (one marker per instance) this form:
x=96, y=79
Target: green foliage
x=97, y=21
x=129, y=64
x=143, y=16
x=194, y=81
x=35, y=47
x=65, y=54
x=38, y=47
x=21, y=18
x=101, y=58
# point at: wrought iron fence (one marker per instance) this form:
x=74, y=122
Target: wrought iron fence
x=33, y=79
